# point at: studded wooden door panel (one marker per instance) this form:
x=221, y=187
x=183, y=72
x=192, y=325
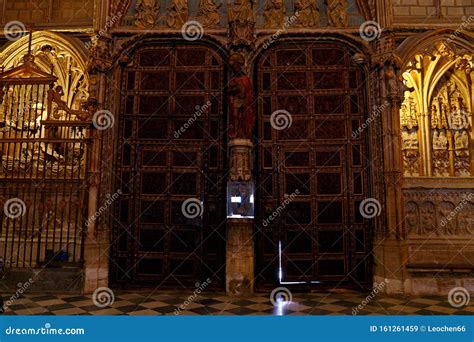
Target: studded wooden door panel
x=312, y=174
x=171, y=129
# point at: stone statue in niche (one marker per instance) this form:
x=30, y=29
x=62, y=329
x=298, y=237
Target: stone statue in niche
x=274, y=13
x=241, y=100
x=394, y=86
x=308, y=13
x=208, y=13
x=147, y=13
x=241, y=18
x=337, y=13
x=177, y=13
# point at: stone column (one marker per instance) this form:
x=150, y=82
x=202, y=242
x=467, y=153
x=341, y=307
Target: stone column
x=390, y=250
x=240, y=245
x=96, y=242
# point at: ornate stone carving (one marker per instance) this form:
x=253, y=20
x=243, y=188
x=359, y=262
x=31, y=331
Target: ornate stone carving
x=448, y=213
x=274, y=13
x=337, y=13
x=177, y=13
x=208, y=13
x=308, y=13
x=412, y=217
x=450, y=124
x=241, y=18
x=241, y=160
x=100, y=57
x=147, y=13
x=409, y=134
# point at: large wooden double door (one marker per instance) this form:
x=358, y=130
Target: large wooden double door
x=312, y=173
x=169, y=154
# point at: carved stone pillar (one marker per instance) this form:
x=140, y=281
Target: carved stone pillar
x=240, y=257
x=392, y=247
x=240, y=246
x=240, y=159
x=96, y=242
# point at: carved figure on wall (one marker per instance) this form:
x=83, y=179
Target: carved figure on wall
x=446, y=223
x=427, y=218
x=466, y=219
x=409, y=135
x=308, y=13
x=412, y=218
x=408, y=113
x=440, y=153
x=337, y=13
x=177, y=13
x=241, y=100
x=147, y=13
x=440, y=142
x=274, y=13
x=394, y=86
x=411, y=153
x=241, y=10
x=208, y=13
x=241, y=18
x=461, y=141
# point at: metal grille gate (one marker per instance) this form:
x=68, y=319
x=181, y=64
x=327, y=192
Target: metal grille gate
x=44, y=149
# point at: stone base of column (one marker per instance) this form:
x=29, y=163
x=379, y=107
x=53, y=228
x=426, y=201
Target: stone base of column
x=240, y=257
x=96, y=263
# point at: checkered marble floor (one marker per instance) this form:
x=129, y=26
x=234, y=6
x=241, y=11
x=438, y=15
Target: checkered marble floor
x=166, y=303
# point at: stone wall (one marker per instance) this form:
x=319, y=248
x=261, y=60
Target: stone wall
x=44, y=13
x=448, y=11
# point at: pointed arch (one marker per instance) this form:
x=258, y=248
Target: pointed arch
x=439, y=66
x=65, y=57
